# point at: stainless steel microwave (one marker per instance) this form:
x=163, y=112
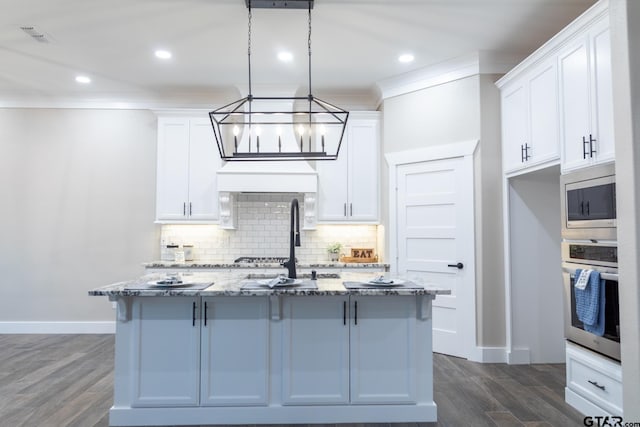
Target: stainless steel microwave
x=589, y=203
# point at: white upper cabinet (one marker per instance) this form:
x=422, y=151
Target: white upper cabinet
x=586, y=98
x=530, y=119
x=188, y=160
x=348, y=187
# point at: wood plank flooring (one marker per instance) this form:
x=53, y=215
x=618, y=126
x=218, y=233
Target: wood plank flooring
x=67, y=380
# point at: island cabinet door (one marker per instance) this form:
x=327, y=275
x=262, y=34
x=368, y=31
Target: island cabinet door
x=315, y=350
x=383, y=349
x=165, y=356
x=235, y=349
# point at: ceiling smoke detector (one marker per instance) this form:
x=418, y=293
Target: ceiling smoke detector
x=35, y=34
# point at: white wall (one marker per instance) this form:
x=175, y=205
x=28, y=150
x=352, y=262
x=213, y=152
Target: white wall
x=461, y=110
x=490, y=298
x=536, y=277
x=625, y=55
x=78, y=203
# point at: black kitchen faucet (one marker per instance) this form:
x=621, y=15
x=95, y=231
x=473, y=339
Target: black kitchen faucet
x=294, y=239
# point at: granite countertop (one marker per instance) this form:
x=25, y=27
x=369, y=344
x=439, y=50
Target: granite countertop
x=230, y=284
x=242, y=265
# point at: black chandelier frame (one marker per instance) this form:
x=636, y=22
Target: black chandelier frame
x=251, y=111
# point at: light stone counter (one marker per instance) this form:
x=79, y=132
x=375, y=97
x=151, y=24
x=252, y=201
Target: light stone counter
x=243, y=265
x=229, y=283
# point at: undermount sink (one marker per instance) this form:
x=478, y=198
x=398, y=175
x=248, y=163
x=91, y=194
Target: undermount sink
x=300, y=276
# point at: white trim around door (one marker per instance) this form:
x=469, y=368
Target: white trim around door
x=459, y=324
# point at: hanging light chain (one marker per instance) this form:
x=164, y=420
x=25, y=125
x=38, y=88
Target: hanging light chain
x=309, y=49
x=249, y=47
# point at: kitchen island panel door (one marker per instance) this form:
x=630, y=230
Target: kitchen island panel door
x=383, y=349
x=315, y=346
x=235, y=344
x=165, y=354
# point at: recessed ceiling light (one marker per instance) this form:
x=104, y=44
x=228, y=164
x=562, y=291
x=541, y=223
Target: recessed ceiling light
x=163, y=54
x=406, y=57
x=285, y=56
x=83, y=79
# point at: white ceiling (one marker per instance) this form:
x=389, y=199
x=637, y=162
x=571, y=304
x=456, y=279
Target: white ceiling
x=355, y=43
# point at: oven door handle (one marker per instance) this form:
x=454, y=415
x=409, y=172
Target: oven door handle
x=606, y=276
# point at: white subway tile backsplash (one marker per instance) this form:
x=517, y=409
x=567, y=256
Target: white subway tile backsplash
x=263, y=230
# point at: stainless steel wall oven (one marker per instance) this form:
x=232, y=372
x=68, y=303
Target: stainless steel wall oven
x=601, y=257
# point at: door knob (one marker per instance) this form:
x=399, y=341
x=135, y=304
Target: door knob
x=459, y=265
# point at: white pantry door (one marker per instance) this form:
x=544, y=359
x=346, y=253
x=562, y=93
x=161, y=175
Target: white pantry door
x=434, y=236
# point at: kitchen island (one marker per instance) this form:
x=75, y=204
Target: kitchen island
x=219, y=353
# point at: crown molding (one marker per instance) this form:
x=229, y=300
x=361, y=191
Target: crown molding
x=481, y=62
x=121, y=101
x=559, y=41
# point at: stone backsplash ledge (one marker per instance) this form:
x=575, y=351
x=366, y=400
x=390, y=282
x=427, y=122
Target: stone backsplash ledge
x=263, y=230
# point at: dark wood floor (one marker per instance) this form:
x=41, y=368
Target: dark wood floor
x=67, y=380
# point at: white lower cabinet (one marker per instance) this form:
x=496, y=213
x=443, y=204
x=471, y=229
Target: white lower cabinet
x=188, y=352
x=274, y=359
x=358, y=350
x=235, y=351
x=165, y=351
x=315, y=350
x=383, y=349
x=594, y=382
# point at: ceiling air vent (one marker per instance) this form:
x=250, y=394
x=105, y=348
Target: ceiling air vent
x=35, y=34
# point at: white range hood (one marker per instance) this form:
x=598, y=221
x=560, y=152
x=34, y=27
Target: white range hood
x=267, y=177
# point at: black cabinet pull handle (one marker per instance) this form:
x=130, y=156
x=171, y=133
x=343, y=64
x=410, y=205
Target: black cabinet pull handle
x=584, y=143
x=350, y=209
x=582, y=208
x=459, y=265
x=595, y=384
x=344, y=313
x=190, y=209
x=355, y=316
x=591, y=150
x=193, y=315
x=184, y=209
x=524, y=152
x=588, y=209
x=345, y=209
x=205, y=313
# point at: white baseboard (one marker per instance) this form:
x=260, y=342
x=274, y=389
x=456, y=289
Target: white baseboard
x=519, y=356
x=489, y=355
x=108, y=327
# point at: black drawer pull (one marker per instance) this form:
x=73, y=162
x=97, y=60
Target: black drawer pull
x=595, y=384
x=459, y=265
x=344, y=312
x=193, y=315
x=355, y=317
